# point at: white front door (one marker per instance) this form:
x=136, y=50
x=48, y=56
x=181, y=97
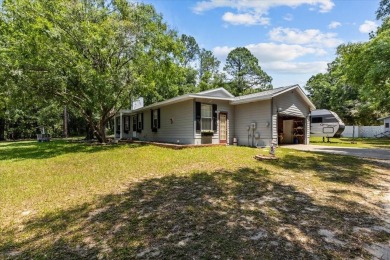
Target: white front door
x=222, y=128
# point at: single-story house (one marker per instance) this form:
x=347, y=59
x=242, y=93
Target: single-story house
x=386, y=122
x=217, y=117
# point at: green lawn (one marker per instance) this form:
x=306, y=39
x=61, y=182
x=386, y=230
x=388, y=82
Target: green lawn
x=64, y=200
x=357, y=142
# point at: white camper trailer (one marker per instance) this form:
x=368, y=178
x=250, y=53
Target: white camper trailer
x=326, y=123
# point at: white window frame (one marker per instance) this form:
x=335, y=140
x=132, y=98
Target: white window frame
x=204, y=117
x=155, y=118
x=126, y=123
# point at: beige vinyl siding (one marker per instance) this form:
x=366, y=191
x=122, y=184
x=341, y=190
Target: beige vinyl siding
x=222, y=106
x=256, y=112
x=179, y=131
x=291, y=103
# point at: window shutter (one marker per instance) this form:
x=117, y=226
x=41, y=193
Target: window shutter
x=215, y=118
x=197, y=116
x=158, y=118
x=142, y=121
x=151, y=119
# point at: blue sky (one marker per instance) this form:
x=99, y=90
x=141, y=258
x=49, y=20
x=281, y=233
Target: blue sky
x=293, y=39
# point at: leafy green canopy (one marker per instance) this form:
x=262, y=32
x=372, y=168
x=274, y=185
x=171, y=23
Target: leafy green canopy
x=247, y=75
x=357, y=84
x=88, y=54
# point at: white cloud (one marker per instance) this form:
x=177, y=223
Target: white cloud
x=296, y=67
x=260, y=7
x=288, y=17
x=253, y=12
x=307, y=37
x=245, y=19
x=334, y=25
x=279, y=61
x=271, y=52
x=368, y=26
x=222, y=52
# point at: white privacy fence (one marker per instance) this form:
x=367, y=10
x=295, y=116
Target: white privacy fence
x=363, y=131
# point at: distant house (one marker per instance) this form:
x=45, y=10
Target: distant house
x=386, y=122
x=217, y=117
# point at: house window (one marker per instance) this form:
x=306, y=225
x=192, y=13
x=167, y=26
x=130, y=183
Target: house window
x=135, y=123
x=127, y=124
x=139, y=122
x=155, y=119
x=206, y=117
x=386, y=125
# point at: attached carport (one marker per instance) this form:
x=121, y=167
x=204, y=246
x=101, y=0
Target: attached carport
x=280, y=114
x=291, y=116
x=291, y=129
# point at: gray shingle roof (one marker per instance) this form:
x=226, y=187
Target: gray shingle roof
x=266, y=93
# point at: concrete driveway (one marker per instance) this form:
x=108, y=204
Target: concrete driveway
x=381, y=154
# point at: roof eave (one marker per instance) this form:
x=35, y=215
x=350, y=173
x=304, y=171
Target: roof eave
x=210, y=97
x=249, y=100
x=173, y=101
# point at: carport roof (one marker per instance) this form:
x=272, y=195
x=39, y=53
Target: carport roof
x=269, y=94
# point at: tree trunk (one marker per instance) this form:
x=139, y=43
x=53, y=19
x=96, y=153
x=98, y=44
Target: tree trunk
x=89, y=135
x=100, y=132
x=89, y=126
x=65, y=129
x=2, y=129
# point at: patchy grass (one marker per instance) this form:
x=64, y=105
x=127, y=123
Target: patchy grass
x=67, y=200
x=357, y=142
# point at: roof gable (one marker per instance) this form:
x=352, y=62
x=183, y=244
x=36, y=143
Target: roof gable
x=218, y=92
x=268, y=94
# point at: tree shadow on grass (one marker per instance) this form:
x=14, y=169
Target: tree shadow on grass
x=42, y=150
x=331, y=168
x=241, y=214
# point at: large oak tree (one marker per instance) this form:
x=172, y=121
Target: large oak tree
x=87, y=54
